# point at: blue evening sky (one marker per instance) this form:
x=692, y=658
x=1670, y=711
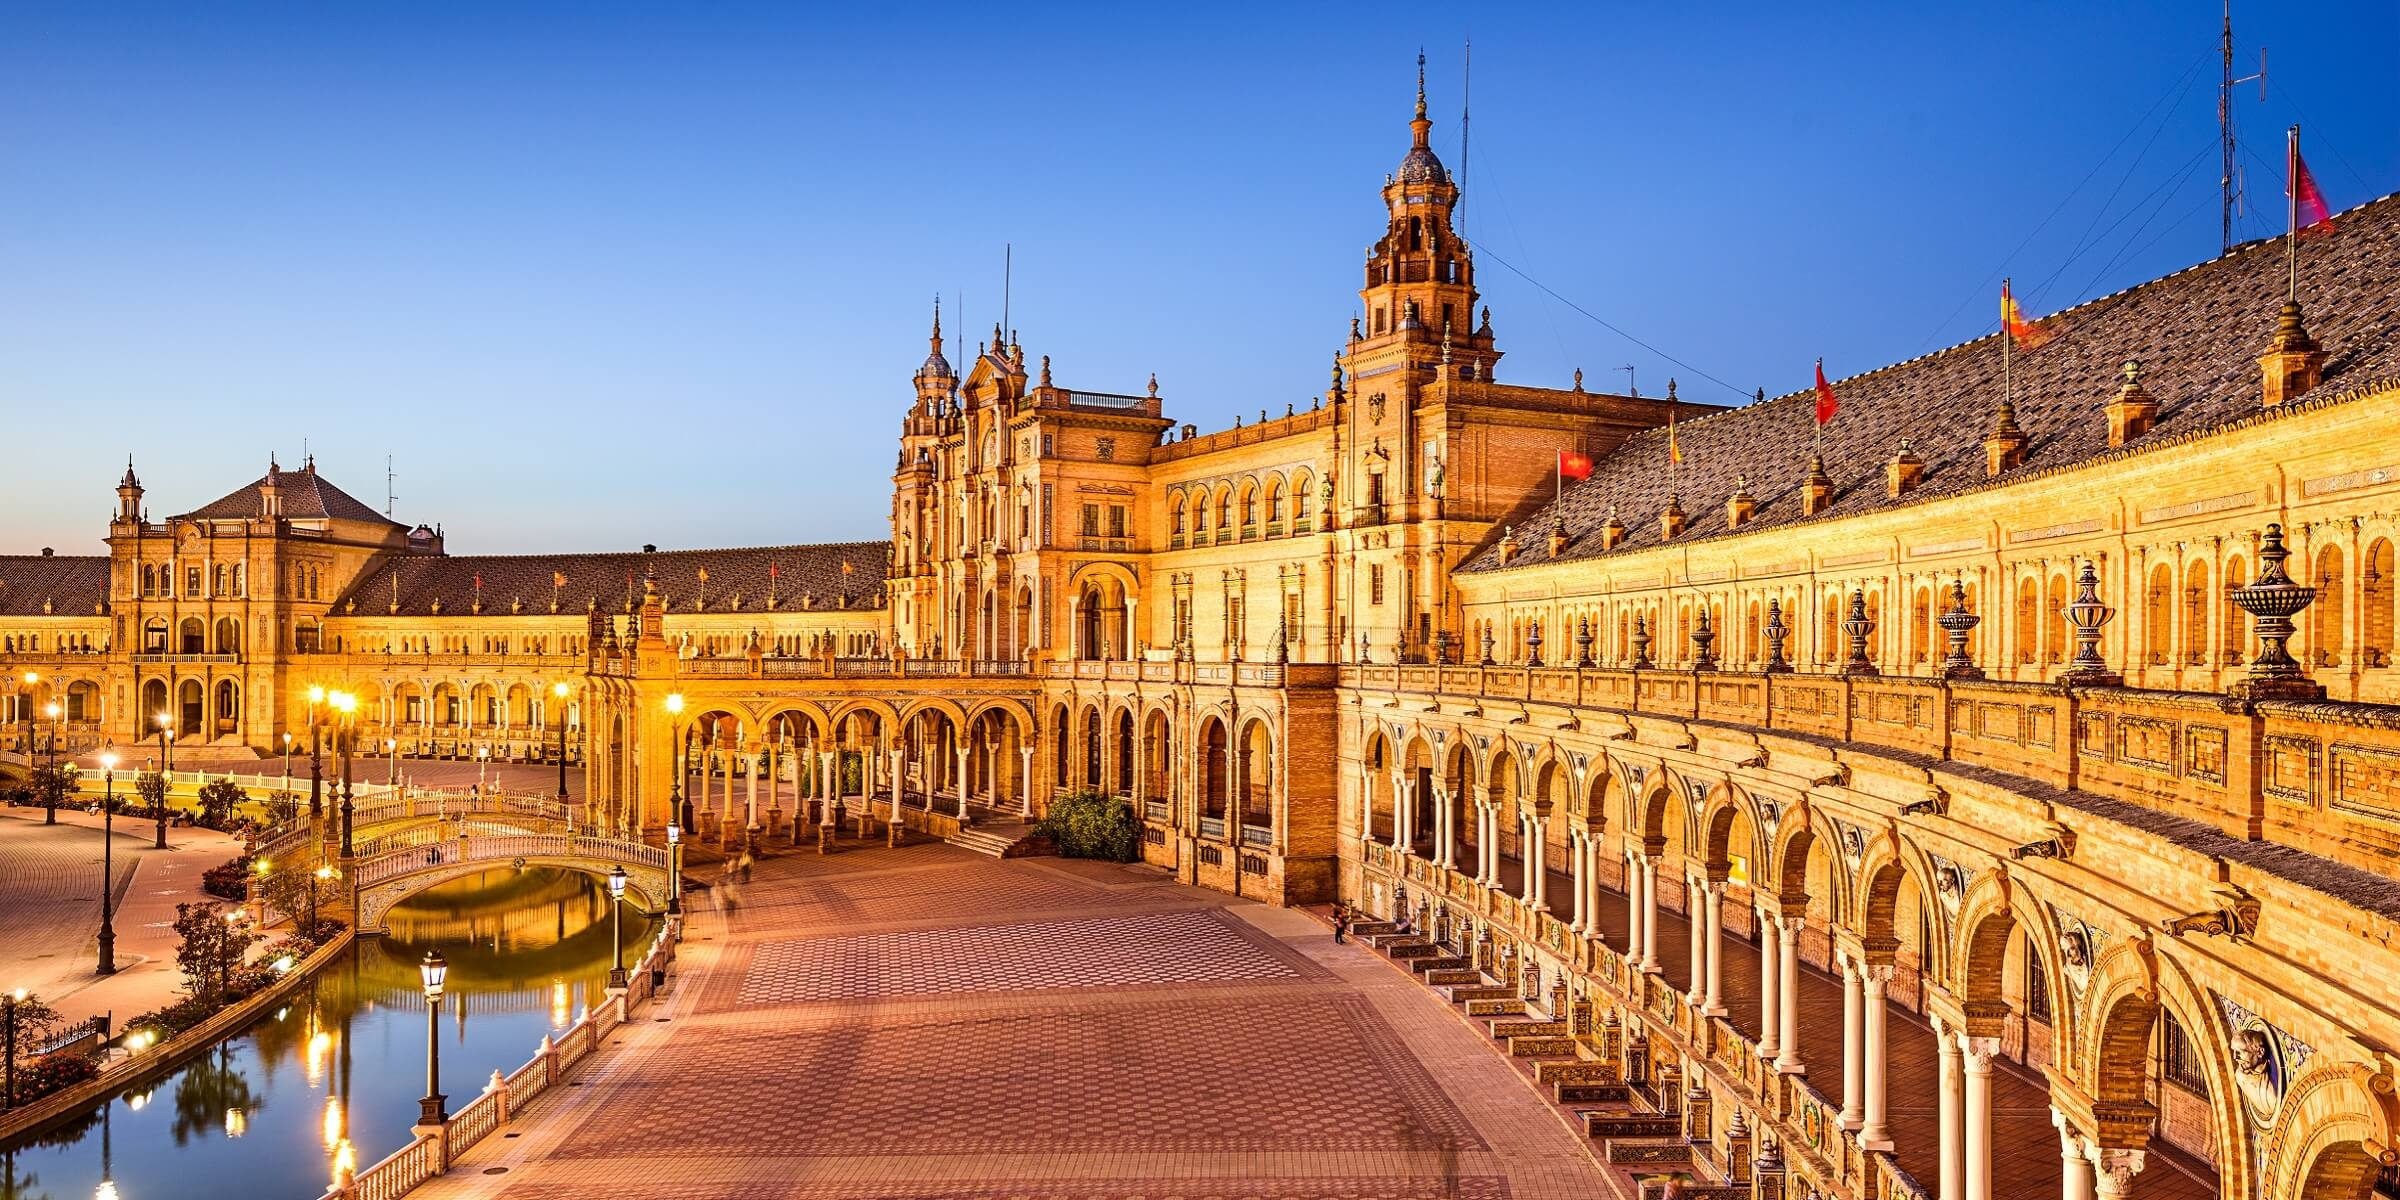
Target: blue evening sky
x=603, y=275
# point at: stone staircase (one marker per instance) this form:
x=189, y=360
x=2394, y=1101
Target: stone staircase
x=1001, y=839
x=1634, y=1128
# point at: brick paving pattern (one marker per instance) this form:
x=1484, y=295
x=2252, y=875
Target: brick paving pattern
x=1149, y=949
x=924, y=1023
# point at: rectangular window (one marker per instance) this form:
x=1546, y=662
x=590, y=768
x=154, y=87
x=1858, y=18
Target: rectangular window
x=2037, y=991
x=1091, y=520
x=1116, y=520
x=191, y=582
x=2179, y=1064
x=1375, y=584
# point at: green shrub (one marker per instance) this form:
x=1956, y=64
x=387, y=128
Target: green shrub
x=1087, y=824
x=217, y=800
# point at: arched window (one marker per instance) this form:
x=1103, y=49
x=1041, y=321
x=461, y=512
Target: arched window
x=2326, y=616
x=1275, y=501
x=2158, y=616
x=2375, y=606
x=1175, y=515
x=2195, y=614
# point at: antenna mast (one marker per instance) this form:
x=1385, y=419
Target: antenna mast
x=2229, y=190
x=388, y=478
x=1008, y=268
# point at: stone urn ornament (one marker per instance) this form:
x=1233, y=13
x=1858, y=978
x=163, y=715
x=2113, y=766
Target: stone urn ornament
x=2272, y=600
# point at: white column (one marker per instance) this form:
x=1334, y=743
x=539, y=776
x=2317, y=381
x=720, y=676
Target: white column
x=1025, y=782
x=1854, y=1050
x=1399, y=814
x=895, y=753
x=961, y=753
x=1445, y=835
x=1650, y=914
x=1633, y=911
x=1788, y=995
x=1488, y=847
x=1770, y=979
x=2075, y=1164
x=1875, y=1130
x=1591, y=883
x=1712, y=998
x=1695, y=899
x=823, y=760
x=1575, y=870
x=1977, y=1054
x=750, y=792
x=1950, y=1135
x=1542, y=862
x=1366, y=810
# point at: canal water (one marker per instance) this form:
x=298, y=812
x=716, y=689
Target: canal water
x=338, y=1069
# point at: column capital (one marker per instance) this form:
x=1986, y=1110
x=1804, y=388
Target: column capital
x=1716, y=889
x=1878, y=976
x=2115, y=1168
x=1979, y=1053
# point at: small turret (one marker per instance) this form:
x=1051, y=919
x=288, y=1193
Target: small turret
x=129, y=495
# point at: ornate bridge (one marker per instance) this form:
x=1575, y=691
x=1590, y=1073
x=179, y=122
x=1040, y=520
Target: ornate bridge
x=394, y=875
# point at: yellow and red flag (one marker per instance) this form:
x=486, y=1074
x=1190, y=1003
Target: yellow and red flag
x=2029, y=334
x=1826, y=403
x=1574, y=465
x=704, y=574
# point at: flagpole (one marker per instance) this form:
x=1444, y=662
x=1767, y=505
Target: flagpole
x=2008, y=378
x=2291, y=187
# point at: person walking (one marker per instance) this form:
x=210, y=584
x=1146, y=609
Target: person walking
x=1341, y=924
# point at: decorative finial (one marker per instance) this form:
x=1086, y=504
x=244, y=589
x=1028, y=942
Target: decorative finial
x=1154, y=384
x=1579, y=379
x=2133, y=371
x=1420, y=83
x=1045, y=370
x=1670, y=389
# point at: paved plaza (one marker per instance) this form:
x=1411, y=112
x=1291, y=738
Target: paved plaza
x=924, y=1022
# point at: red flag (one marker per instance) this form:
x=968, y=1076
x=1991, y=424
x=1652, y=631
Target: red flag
x=773, y=571
x=1825, y=399
x=558, y=579
x=1574, y=465
x=2310, y=217
x=479, y=583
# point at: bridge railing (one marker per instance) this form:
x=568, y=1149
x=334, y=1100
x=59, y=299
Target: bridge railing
x=503, y=848
x=432, y=1152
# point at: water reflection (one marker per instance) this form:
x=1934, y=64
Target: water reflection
x=332, y=1078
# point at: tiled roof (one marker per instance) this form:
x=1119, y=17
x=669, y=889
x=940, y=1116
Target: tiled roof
x=73, y=586
x=304, y=494
x=814, y=573
x=2197, y=333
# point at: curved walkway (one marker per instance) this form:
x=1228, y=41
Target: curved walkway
x=925, y=1022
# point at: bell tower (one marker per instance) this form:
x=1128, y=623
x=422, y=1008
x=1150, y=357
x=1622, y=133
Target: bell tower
x=129, y=496
x=1419, y=293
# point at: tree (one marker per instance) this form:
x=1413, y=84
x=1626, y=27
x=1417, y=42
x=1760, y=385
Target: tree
x=54, y=784
x=283, y=807
x=217, y=798
x=152, y=788
x=1089, y=824
x=210, y=948
x=31, y=1020
x=297, y=894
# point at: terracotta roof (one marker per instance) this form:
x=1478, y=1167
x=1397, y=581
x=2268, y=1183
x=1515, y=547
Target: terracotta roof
x=304, y=494
x=2197, y=333
x=599, y=580
x=73, y=586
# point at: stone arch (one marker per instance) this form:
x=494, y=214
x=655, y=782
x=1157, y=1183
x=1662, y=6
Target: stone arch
x=1598, y=784
x=2114, y=1031
x=1216, y=775
x=2334, y=1132
x=1988, y=912
x=1889, y=866
x=1723, y=814
x=1801, y=835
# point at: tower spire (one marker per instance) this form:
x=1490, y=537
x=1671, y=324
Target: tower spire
x=1421, y=125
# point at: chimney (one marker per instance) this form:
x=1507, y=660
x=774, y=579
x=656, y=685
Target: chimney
x=1612, y=531
x=1740, y=506
x=1816, y=492
x=2293, y=363
x=1558, y=538
x=1901, y=474
x=2132, y=412
x=2004, y=446
x=1508, y=546
x=1670, y=519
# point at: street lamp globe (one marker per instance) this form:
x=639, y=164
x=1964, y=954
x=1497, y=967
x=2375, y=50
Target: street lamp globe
x=434, y=969
x=316, y=694
x=51, y=710
x=324, y=872
x=674, y=833
x=674, y=702
x=559, y=690
x=108, y=760
x=616, y=882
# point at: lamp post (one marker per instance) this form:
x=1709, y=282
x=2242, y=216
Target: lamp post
x=674, y=869
x=166, y=769
x=680, y=811
x=429, y=1109
x=108, y=840
x=391, y=773
x=483, y=757
x=558, y=692
x=287, y=760
x=616, y=929
x=49, y=797
x=345, y=707
x=316, y=759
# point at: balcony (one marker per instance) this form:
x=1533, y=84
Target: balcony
x=162, y=658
